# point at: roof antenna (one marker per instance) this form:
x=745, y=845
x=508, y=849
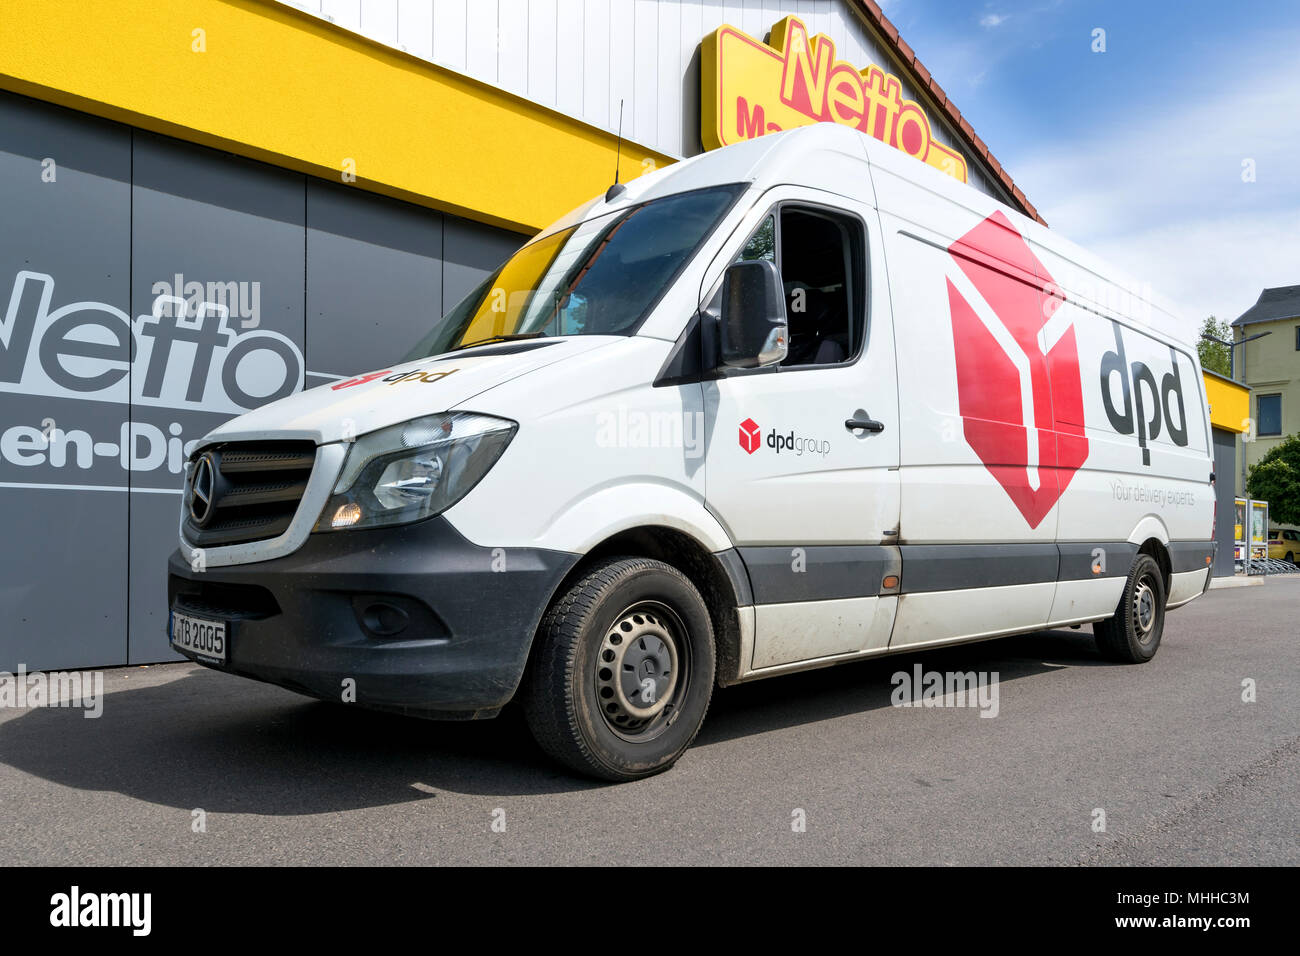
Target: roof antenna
x=616, y=190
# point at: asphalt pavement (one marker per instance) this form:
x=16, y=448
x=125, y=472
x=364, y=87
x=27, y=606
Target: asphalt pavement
x=1086, y=762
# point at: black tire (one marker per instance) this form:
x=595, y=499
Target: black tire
x=1133, y=635
x=1290, y=556
x=606, y=721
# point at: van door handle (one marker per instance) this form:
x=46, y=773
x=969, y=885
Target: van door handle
x=864, y=424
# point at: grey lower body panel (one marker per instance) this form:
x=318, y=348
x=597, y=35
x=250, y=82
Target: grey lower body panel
x=785, y=574
x=952, y=567
x=1191, y=555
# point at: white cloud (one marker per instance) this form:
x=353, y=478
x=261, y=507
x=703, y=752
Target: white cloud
x=992, y=20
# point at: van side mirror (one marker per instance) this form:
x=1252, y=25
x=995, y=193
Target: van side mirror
x=753, y=326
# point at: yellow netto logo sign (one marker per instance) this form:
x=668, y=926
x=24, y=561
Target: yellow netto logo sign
x=750, y=88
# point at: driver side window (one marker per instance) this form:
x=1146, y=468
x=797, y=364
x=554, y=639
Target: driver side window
x=822, y=264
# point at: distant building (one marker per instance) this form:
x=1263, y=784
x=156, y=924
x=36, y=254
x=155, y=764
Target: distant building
x=1270, y=367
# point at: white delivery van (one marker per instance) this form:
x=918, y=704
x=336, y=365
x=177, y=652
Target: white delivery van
x=792, y=403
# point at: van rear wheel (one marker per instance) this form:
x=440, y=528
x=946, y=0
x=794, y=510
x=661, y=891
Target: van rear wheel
x=1133, y=635
x=623, y=671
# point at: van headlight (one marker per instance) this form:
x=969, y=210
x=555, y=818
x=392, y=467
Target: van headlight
x=414, y=470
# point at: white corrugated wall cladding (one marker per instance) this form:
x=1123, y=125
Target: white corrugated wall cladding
x=582, y=57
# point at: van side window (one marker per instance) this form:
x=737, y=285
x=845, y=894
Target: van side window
x=820, y=261
x=822, y=264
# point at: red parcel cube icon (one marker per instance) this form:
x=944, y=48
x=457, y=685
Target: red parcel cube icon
x=1022, y=410
x=749, y=439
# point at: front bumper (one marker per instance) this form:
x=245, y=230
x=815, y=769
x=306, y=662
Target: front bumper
x=421, y=620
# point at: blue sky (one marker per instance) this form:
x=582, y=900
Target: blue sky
x=1137, y=153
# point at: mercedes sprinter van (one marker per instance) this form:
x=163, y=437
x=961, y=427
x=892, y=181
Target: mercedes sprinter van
x=792, y=403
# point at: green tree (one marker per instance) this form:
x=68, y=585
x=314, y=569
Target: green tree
x=1276, y=479
x=1215, y=357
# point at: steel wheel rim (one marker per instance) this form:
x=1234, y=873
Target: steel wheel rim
x=1145, y=610
x=642, y=671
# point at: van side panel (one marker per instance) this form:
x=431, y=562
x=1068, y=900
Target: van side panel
x=1038, y=405
x=1145, y=420
x=951, y=494
x=978, y=443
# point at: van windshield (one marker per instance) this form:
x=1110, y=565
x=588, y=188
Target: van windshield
x=599, y=277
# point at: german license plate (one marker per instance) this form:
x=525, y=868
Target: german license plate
x=199, y=636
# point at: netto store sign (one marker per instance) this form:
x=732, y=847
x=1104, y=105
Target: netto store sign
x=750, y=88
x=179, y=356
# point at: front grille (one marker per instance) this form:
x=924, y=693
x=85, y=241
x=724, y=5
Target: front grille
x=253, y=492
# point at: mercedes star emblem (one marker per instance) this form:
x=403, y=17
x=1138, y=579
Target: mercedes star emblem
x=205, y=480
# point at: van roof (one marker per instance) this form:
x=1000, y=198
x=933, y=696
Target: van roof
x=823, y=155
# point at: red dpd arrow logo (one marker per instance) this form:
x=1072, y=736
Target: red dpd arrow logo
x=1032, y=446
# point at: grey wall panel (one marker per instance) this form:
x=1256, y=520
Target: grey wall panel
x=65, y=196
x=165, y=308
x=470, y=252
x=1225, y=463
x=226, y=237
x=374, y=279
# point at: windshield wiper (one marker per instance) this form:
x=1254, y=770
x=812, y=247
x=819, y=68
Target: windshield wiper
x=499, y=338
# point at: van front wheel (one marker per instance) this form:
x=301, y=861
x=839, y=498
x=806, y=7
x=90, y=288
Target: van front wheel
x=1132, y=636
x=623, y=671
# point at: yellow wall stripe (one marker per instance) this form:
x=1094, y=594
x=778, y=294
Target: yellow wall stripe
x=284, y=87
x=1229, y=402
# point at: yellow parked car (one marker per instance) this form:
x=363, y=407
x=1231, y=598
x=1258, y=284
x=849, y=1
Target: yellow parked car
x=1284, y=544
